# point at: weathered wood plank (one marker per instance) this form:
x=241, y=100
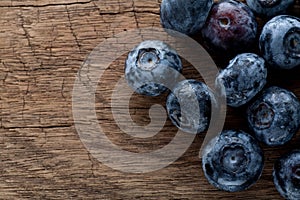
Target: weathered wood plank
x=42, y=46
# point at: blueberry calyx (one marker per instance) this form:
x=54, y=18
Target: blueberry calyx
x=263, y=116
x=234, y=159
x=292, y=42
x=224, y=22
x=147, y=59
x=296, y=175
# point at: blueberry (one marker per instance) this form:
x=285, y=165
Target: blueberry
x=186, y=98
x=275, y=116
x=151, y=64
x=232, y=161
x=243, y=78
x=230, y=26
x=279, y=42
x=286, y=175
x=185, y=16
x=269, y=8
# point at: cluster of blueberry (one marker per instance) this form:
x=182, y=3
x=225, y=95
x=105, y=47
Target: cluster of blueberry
x=233, y=161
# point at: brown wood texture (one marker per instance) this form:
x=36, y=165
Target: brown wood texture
x=42, y=46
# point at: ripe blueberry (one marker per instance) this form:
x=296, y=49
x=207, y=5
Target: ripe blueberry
x=186, y=98
x=279, y=42
x=230, y=26
x=269, y=8
x=233, y=161
x=243, y=78
x=150, y=66
x=275, y=116
x=185, y=16
x=286, y=175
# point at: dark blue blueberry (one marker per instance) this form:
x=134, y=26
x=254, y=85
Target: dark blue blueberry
x=186, y=98
x=233, y=161
x=286, y=175
x=243, y=78
x=230, y=26
x=275, y=116
x=279, y=42
x=151, y=67
x=269, y=8
x=185, y=16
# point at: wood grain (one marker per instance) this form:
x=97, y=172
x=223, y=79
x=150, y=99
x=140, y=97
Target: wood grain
x=42, y=46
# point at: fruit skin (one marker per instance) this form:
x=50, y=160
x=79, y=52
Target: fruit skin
x=269, y=8
x=279, y=42
x=232, y=161
x=186, y=98
x=244, y=77
x=151, y=66
x=286, y=175
x=230, y=26
x=185, y=16
x=275, y=116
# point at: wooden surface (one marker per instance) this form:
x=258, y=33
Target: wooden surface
x=42, y=46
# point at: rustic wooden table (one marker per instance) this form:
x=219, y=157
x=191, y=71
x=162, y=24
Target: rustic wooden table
x=42, y=46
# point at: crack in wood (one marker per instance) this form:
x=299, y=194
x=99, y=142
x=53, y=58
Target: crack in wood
x=91, y=159
x=72, y=29
x=26, y=33
x=37, y=127
x=46, y=5
x=134, y=14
